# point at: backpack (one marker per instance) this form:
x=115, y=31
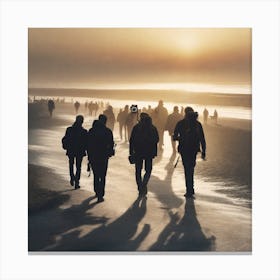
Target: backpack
x=190, y=139
x=65, y=142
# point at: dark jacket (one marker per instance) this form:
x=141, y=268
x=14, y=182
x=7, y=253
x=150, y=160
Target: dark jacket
x=100, y=143
x=189, y=133
x=143, y=141
x=76, y=138
x=171, y=122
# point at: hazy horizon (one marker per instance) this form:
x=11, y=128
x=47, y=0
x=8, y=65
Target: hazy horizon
x=188, y=59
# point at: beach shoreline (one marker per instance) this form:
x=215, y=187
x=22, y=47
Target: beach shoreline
x=149, y=222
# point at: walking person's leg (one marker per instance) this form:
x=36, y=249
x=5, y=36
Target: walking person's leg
x=138, y=176
x=96, y=177
x=125, y=133
x=186, y=172
x=191, y=174
x=148, y=172
x=71, y=172
x=120, y=130
x=189, y=164
x=103, y=173
x=173, y=144
x=79, y=160
x=160, y=132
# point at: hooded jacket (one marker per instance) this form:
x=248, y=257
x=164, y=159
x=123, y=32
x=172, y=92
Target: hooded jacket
x=100, y=143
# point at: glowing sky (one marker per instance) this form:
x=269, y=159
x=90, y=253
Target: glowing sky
x=86, y=57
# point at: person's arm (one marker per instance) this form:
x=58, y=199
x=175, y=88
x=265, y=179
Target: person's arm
x=111, y=141
x=156, y=135
x=111, y=144
x=85, y=133
x=131, y=141
x=202, y=141
x=176, y=133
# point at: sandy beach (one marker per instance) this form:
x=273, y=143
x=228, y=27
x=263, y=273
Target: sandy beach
x=218, y=220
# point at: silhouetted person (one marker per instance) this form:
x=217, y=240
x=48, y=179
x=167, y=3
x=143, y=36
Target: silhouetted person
x=150, y=110
x=171, y=122
x=75, y=140
x=110, y=117
x=189, y=133
x=51, y=106
x=130, y=122
x=143, y=147
x=159, y=117
x=95, y=108
x=182, y=112
x=205, y=116
x=86, y=106
x=77, y=106
x=215, y=117
x=90, y=108
x=100, y=146
x=123, y=121
x=121, y=124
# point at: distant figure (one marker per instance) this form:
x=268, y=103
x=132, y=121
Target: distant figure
x=100, y=146
x=182, y=111
x=90, y=108
x=123, y=120
x=77, y=106
x=74, y=142
x=171, y=122
x=149, y=110
x=215, y=117
x=143, y=147
x=205, y=116
x=51, y=106
x=189, y=133
x=121, y=123
x=86, y=106
x=159, y=117
x=130, y=122
x=95, y=108
x=110, y=117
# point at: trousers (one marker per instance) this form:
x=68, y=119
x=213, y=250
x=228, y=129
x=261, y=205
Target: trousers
x=99, y=169
x=189, y=162
x=78, y=161
x=142, y=182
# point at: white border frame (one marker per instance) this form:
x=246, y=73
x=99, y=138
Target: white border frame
x=17, y=16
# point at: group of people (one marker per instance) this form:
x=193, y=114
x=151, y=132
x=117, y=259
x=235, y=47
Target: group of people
x=145, y=137
x=206, y=115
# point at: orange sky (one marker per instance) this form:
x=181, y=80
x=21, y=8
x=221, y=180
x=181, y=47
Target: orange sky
x=86, y=57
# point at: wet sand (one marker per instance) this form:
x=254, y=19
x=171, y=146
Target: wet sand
x=219, y=219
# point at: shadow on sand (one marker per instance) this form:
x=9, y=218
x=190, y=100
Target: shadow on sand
x=116, y=236
x=163, y=188
x=183, y=234
x=44, y=229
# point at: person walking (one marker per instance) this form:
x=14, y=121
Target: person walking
x=143, y=148
x=74, y=142
x=159, y=117
x=109, y=113
x=51, y=106
x=77, y=106
x=215, y=117
x=189, y=133
x=100, y=147
x=205, y=115
x=171, y=122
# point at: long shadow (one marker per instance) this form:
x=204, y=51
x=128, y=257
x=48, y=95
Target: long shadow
x=116, y=236
x=163, y=188
x=185, y=234
x=45, y=228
